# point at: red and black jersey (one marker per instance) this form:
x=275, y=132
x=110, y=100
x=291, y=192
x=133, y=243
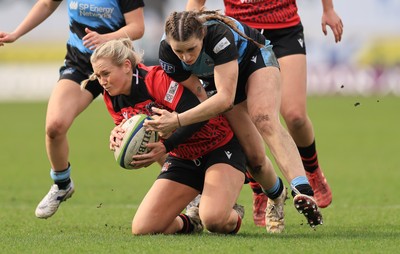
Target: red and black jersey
x=151, y=86
x=264, y=14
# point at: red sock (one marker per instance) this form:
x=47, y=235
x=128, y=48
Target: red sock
x=255, y=187
x=239, y=223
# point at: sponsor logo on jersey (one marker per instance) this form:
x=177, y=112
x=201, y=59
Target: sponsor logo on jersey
x=92, y=10
x=68, y=71
x=173, y=87
x=168, y=68
x=73, y=5
x=223, y=43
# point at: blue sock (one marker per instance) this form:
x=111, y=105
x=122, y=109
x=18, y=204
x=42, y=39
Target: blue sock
x=61, y=178
x=275, y=190
x=298, y=181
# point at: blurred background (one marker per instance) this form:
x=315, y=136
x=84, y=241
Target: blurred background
x=366, y=61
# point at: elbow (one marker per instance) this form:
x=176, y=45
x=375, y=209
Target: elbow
x=227, y=105
x=139, y=33
x=136, y=33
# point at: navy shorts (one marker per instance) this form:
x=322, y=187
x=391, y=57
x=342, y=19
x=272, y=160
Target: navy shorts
x=264, y=57
x=192, y=172
x=286, y=41
x=74, y=74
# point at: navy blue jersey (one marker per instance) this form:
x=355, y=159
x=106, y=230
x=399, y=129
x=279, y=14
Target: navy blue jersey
x=221, y=45
x=102, y=16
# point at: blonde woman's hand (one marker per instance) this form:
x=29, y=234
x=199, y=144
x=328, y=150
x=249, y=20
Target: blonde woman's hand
x=157, y=150
x=116, y=136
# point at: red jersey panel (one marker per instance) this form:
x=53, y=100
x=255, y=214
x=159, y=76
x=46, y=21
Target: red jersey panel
x=264, y=14
x=152, y=87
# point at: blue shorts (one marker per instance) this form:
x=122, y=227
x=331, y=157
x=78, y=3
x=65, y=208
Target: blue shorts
x=264, y=57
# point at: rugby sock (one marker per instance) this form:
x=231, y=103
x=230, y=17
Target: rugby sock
x=302, y=185
x=309, y=157
x=238, y=224
x=275, y=190
x=255, y=187
x=62, y=178
x=187, y=226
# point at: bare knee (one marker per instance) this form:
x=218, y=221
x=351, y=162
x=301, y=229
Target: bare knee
x=144, y=230
x=295, y=120
x=55, y=129
x=214, y=222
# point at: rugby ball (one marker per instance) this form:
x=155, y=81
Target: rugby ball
x=134, y=141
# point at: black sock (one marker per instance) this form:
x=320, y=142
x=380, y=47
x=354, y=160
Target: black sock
x=187, y=226
x=304, y=189
x=63, y=184
x=309, y=157
x=279, y=192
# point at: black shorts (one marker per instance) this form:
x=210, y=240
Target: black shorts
x=286, y=41
x=74, y=74
x=264, y=57
x=192, y=172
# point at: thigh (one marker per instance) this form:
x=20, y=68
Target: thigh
x=250, y=139
x=294, y=84
x=222, y=186
x=264, y=95
x=66, y=102
x=162, y=204
x=223, y=179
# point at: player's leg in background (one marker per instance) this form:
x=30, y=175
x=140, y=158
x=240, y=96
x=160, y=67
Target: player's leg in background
x=66, y=102
x=294, y=112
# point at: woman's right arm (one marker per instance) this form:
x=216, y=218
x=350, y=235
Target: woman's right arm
x=225, y=76
x=192, y=5
x=39, y=12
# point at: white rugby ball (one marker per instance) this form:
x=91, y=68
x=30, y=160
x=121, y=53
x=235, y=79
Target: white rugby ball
x=134, y=141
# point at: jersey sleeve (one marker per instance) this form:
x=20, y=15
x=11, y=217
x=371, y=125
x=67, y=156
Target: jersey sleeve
x=163, y=88
x=221, y=43
x=130, y=5
x=171, y=64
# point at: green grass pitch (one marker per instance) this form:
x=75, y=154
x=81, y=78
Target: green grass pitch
x=358, y=139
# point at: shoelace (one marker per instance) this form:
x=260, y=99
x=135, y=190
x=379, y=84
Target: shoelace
x=295, y=189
